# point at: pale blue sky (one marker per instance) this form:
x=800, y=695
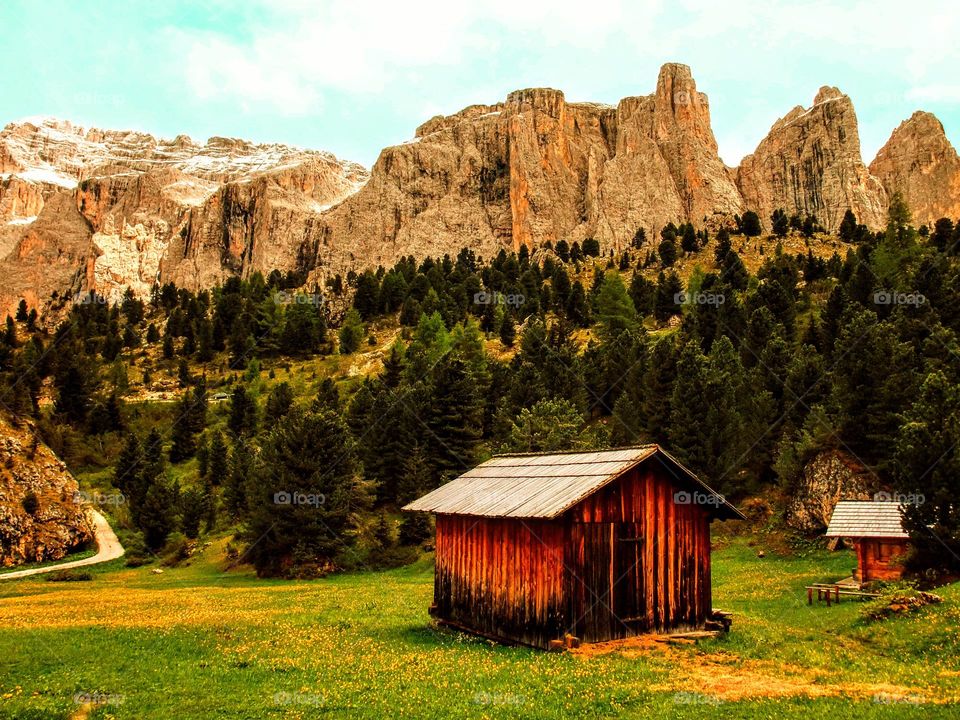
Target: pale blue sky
x=352, y=77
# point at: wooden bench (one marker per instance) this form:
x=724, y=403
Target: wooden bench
x=832, y=593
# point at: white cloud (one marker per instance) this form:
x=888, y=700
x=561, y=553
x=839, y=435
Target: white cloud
x=365, y=45
x=755, y=59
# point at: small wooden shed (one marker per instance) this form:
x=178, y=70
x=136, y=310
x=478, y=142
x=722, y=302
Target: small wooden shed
x=876, y=529
x=597, y=545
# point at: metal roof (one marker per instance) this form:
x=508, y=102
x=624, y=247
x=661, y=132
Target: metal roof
x=544, y=486
x=856, y=518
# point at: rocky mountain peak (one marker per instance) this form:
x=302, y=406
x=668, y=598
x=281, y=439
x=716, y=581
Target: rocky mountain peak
x=919, y=161
x=827, y=93
x=810, y=164
x=92, y=209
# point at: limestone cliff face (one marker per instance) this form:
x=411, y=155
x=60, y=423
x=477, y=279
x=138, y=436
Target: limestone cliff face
x=40, y=516
x=107, y=210
x=536, y=168
x=920, y=162
x=147, y=210
x=810, y=163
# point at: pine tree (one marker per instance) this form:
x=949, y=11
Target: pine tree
x=159, y=511
x=218, y=459
x=203, y=456
x=723, y=247
x=926, y=467
x=750, y=224
x=351, y=332
x=383, y=532
x=75, y=380
x=455, y=419
x=189, y=420
x=328, y=397
x=848, y=227
x=415, y=477
x=209, y=505
x=204, y=334
x=183, y=441
x=658, y=381
x=508, y=331
x=241, y=466
x=669, y=288
x=191, y=511
x=304, y=494
x=128, y=471
x=614, y=308
x=279, y=402
x=639, y=238
x=393, y=366
x=243, y=413
x=414, y=529
x=577, y=310
x=667, y=250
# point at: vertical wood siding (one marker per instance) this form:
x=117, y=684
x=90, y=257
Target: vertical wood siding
x=501, y=577
x=626, y=560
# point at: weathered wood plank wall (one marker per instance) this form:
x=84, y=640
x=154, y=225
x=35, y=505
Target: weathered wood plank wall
x=626, y=560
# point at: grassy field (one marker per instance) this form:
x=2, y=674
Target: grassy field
x=198, y=642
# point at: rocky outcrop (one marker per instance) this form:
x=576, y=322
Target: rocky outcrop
x=827, y=478
x=41, y=514
x=534, y=169
x=147, y=210
x=810, y=164
x=920, y=162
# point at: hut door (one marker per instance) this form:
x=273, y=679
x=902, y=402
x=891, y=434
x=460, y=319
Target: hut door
x=628, y=591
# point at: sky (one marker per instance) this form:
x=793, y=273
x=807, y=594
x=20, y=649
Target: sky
x=353, y=77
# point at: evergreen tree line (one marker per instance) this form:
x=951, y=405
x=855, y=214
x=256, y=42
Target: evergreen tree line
x=762, y=372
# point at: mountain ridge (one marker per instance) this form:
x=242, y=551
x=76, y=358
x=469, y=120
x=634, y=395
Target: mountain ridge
x=533, y=168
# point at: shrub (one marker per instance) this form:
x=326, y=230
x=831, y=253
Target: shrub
x=69, y=576
x=177, y=549
x=136, y=553
x=897, y=599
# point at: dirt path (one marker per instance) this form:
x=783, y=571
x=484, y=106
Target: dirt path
x=108, y=548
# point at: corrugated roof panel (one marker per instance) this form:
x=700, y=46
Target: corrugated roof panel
x=855, y=518
x=536, y=486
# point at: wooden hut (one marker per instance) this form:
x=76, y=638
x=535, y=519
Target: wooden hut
x=876, y=529
x=596, y=545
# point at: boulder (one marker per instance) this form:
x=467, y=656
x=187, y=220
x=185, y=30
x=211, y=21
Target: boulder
x=827, y=478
